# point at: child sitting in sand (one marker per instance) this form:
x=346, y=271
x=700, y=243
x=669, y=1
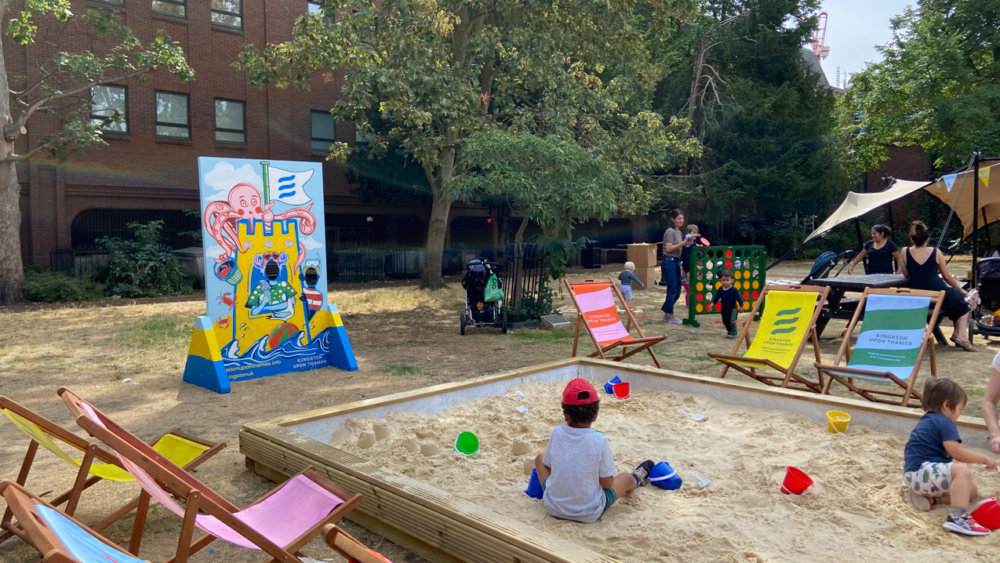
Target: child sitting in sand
x=577, y=472
x=934, y=461
x=731, y=302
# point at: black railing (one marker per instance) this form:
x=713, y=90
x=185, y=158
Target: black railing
x=84, y=261
x=355, y=265
x=522, y=275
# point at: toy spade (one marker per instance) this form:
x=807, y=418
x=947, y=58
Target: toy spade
x=694, y=417
x=701, y=482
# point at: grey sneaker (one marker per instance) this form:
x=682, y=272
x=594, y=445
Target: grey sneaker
x=641, y=473
x=675, y=321
x=965, y=525
x=920, y=502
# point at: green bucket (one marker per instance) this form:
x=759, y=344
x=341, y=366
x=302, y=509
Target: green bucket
x=467, y=443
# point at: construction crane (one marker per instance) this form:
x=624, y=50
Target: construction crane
x=819, y=46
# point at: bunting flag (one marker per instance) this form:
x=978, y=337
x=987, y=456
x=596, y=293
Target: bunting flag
x=984, y=175
x=949, y=181
x=289, y=187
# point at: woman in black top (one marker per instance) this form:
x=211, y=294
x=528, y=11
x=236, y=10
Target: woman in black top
x=881, y=253
x=922, y=264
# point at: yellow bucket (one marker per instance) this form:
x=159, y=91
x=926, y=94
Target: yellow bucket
x=837, y=421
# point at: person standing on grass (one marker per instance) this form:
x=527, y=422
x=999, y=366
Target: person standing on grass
x=990, y=400
x=881, y=253
x=673, y=245
x=922, y=264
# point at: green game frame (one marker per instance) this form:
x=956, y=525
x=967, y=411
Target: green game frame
x=749, y=266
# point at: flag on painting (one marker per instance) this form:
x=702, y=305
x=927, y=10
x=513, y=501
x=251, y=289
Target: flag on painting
x=949, y=181
x=289, y=187
x=984, y=175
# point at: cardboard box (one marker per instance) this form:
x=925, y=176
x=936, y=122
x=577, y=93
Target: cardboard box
x=643, y=255
x=648, y=278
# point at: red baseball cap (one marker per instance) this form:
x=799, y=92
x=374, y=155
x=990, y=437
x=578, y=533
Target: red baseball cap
x=579, y=392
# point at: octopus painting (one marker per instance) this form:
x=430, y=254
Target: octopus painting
x=245, y=202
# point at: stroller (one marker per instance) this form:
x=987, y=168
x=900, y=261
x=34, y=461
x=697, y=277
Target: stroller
x=984, y=319
x=479, y=312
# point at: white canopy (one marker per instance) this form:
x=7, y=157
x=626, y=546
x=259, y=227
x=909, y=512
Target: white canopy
x=956, y=190
x=857, y=204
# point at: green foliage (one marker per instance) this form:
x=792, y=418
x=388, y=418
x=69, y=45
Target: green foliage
x=938, y=87
x=54, y=287
x=530, y=307
x=67, y=77
x=403, y=369
x=424, y=76
x=140, y=268
x=765, y=120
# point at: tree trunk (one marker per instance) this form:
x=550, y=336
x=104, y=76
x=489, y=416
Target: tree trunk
x=11, y=268
x=436, y=231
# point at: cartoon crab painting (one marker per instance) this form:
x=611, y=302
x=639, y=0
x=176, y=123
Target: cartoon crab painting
x=245, y=202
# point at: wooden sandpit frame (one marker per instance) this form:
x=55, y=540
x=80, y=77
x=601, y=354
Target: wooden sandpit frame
x=444, y=528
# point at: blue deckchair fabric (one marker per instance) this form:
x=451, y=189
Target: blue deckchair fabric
x=83, y=546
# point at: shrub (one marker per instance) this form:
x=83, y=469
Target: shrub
x=140, y=267
x=52, y=287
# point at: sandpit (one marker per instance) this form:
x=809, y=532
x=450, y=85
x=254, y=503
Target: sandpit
x=856, y=511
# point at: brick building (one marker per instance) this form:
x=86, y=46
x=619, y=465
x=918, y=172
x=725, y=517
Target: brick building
x=148, y=169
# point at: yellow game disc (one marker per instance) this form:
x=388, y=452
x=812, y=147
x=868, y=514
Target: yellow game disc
x=738, y=274
x=698, y=308
x=718, y=284
x=756, y=284
x=700, y=286
x=736, y=285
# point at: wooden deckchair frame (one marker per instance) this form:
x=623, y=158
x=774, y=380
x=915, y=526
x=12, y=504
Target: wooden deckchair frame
x=789, y=378
x=908, y=394
x=628, y=347
x=91, y=452
x=199, y=496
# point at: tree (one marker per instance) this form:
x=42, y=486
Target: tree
x=938, y=87
x=437, y=72
x=61, y=86
x=764, y=117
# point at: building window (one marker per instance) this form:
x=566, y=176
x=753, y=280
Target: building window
x=172, y=116
x=228, y=12
x=315, y=8
x=322, y=131
x=230, y=122
x=172, y=7
x=107, y=102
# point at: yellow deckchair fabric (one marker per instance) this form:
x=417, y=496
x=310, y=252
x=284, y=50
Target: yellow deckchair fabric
x=782, y=328
x=178, y=450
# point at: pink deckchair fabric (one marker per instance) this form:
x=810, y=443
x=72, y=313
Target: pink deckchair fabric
x=597, y=305
x=281, y=518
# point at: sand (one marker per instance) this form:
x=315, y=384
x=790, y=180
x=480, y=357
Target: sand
x=857, y=510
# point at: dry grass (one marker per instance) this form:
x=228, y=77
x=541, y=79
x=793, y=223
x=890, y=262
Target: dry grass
x=403, y=339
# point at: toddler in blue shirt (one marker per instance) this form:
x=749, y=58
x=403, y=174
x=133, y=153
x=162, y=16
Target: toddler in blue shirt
x=731, y=301
x=934, y=461
x=627, y=277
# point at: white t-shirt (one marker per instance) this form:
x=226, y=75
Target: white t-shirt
x=579, y=457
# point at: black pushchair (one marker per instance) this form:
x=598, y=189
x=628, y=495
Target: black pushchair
x=478, y=311
x=984, y=318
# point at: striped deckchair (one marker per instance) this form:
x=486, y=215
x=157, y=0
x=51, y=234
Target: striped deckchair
x=597, y=312
x=895, y=334
x=96, y=464
x=788, y=322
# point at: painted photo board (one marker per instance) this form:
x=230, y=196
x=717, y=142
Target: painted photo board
x=263, y=235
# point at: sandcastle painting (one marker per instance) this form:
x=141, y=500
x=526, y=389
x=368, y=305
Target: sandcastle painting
x=263, y=238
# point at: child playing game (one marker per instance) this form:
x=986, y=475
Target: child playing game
x=577, y=472
x=934, y=461
x=731, y=302
x=627, y=277
x=695, y=233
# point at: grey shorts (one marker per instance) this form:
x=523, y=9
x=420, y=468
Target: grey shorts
x=627, y=292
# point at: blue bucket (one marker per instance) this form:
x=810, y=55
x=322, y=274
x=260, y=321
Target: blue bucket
x=534, y=489
x=609, y=386
x=665, y=477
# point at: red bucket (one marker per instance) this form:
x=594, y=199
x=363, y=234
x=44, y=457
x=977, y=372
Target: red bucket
x=796, y=481
x=987, y=513
x=621, y=390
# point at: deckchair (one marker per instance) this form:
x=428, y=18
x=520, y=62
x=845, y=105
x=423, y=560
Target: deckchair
x=280, y=523
x=895, y=334
x=62, y=539
x=595, y=305
x=788, y=321
x=97, y=464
